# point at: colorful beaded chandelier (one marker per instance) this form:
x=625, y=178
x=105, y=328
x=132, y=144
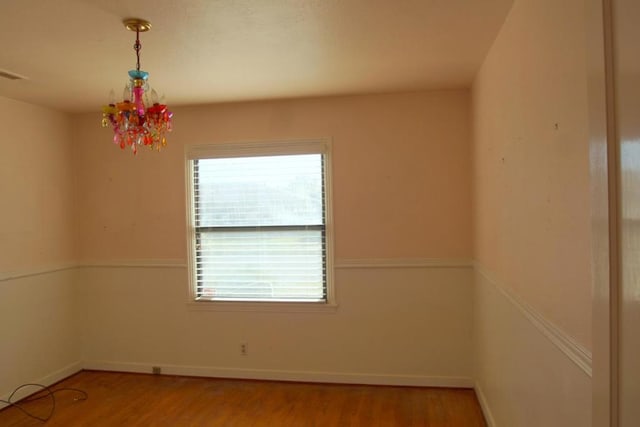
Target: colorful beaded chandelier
x=135, y=120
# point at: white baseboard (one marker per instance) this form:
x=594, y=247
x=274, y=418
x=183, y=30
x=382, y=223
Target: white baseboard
x=484, y=405
x=277, y=375
x=47, y=380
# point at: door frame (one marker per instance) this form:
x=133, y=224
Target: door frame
x=605, y=204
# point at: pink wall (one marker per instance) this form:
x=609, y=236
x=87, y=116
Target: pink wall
x=401, y=174
x=531, y=160
x=36, y=185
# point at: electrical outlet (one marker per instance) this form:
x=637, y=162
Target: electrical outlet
x=244, y=348
x=156, y=370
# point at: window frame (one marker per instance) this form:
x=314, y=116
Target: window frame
x=260, y=148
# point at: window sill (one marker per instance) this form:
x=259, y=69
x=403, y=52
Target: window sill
x=269, y=307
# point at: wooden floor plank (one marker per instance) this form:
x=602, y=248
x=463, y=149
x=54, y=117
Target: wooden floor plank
x=122, y=399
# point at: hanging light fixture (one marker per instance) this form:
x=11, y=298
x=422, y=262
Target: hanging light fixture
x=135, y=120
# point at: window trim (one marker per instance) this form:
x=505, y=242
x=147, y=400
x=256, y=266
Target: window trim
x=261, y=148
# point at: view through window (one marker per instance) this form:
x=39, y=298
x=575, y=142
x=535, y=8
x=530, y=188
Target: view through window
x=259, y=228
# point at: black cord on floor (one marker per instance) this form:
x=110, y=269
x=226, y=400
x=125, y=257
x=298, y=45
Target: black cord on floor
x=50, y=393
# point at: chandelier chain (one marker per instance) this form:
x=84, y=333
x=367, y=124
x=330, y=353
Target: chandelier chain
x=137, y=46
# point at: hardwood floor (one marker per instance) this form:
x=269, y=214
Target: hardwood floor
x=119, y=399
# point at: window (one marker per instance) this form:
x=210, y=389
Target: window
x=258, y=222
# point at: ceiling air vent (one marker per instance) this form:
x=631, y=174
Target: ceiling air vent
x=9, y=75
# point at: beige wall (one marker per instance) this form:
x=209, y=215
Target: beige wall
x=399, y=325
x=532, y=208
x=36, y=186
x=401, y=186
x=401, y=178
x=38, y=318
x=401, y=175
x=532, y=322
x=523, y=378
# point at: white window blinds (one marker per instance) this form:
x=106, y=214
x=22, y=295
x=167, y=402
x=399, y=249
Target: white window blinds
x=259, y=228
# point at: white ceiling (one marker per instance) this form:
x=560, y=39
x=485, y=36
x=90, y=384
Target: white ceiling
x=74, y=51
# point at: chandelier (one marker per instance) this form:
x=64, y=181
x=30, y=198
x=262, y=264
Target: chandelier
x=135, y=120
